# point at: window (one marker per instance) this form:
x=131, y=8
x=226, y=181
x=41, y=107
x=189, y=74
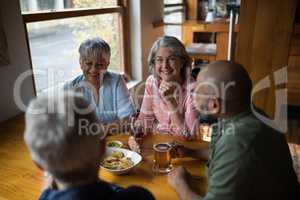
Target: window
x=174, y=15
x=55, y=29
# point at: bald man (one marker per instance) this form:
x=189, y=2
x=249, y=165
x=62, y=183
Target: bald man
x=247, y=159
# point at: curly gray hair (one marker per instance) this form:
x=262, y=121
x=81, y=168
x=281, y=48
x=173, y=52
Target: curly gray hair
x=176, y=48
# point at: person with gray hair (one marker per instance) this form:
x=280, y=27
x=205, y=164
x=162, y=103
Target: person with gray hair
x=167, y=102
x=70, y=153
x=106, y=91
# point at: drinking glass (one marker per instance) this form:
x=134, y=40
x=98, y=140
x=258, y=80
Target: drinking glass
x=162, y=158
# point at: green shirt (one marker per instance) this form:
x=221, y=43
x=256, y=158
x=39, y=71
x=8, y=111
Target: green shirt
x=249, y=160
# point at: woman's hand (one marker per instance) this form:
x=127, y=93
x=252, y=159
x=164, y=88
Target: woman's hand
x=134, y=144
x=167, y=91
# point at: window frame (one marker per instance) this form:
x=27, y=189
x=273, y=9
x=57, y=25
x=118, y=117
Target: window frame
x=123, y=22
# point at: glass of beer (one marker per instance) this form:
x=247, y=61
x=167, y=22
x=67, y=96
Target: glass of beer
x=205, y=130
x=162, y=158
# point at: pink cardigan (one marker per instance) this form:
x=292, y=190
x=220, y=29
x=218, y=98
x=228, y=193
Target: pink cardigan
x=155, y=114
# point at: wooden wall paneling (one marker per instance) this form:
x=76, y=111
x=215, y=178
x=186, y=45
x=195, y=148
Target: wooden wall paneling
x=192, y=9
x=187, y=35
x=282, y=37
x=295, y=45
x=294, y=80
x=222, y=41
x=268, y=26
x=247, y=26
x=263, y=48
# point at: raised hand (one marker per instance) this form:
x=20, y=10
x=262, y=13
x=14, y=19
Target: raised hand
x=168, y=92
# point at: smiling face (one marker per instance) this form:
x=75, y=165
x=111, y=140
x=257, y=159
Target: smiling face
x=167, y=66
x=93, y=68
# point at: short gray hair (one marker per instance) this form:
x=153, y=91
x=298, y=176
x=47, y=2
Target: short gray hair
x=176, y=48
x=94, y=47
x=56, y=145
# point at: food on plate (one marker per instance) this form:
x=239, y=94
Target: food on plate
x=117, y=144
x=117, y=161
x=117, y=154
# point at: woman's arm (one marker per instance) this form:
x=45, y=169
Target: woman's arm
x=125, y=104
x=146, y=116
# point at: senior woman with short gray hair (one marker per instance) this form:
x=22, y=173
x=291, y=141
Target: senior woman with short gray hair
x=62, y=139
x=106, y=91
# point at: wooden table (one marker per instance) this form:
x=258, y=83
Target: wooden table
x=20, y=179
x=143, y=175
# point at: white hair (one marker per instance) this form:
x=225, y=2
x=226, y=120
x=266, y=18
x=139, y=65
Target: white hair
x=57, y=145
x=94, y=47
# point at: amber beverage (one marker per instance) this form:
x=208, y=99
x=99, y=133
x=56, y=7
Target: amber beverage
x=162, y=158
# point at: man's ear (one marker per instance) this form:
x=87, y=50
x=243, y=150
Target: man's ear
x=214, y=106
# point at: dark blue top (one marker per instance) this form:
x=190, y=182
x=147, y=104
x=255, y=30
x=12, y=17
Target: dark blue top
x=97, y=191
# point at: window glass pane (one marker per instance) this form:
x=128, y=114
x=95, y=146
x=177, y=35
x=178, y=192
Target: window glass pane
x=54, y=46
x=42, y=5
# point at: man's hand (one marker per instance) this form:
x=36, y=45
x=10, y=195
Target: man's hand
x=178, y=150
x=177, y=179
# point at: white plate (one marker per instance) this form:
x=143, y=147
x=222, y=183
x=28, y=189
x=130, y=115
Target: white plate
x=135, y=157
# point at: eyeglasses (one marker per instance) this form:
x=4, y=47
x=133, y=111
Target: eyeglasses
x=171, y=60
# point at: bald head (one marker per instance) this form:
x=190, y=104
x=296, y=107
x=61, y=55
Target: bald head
x=227, y=81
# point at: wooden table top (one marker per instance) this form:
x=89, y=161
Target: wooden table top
x=20, y=179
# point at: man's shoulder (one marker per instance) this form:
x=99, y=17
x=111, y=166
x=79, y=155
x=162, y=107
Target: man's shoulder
x=96, y=191
x=245, y=124
x=245, y=132
x=239, y=132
